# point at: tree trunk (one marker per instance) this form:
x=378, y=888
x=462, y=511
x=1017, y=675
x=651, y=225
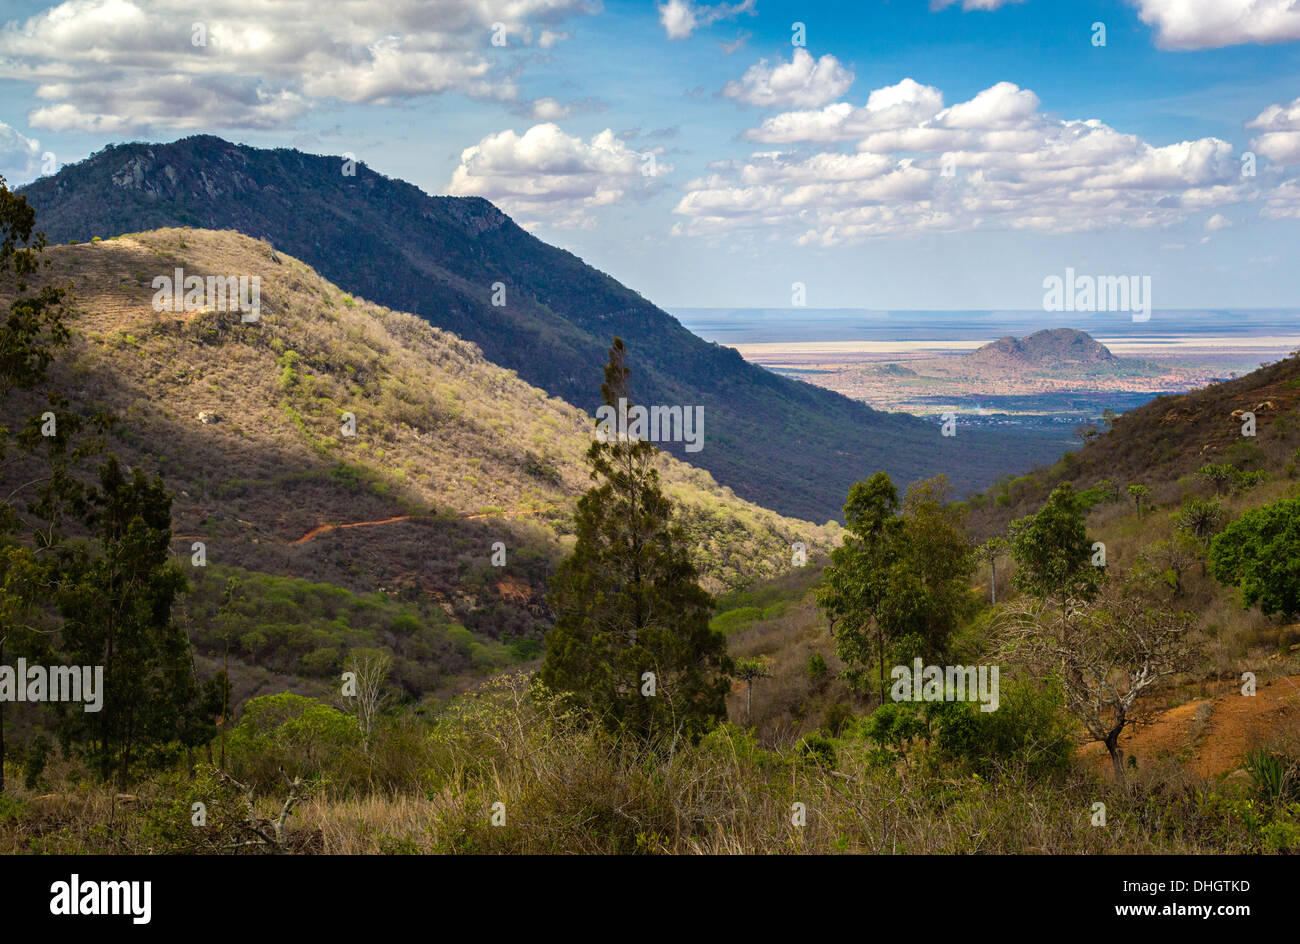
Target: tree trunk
x=993, y=580
x=1116, y=755
x=749, y=694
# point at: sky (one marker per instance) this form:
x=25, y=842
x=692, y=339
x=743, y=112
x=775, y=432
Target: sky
x=907, y=154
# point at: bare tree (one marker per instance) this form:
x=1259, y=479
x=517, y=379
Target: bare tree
x=364, y=692
x=1109, y=655
x=264, y=831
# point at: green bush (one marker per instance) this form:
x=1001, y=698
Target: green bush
x=298, y=735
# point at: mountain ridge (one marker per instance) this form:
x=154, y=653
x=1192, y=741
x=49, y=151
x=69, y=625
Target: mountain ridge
x=782, y=443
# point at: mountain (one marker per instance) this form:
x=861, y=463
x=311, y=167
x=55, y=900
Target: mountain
x=1047, y=348
x=384, y=537
x=779, y=442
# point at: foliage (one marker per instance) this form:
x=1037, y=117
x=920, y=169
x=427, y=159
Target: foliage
x=899, y=579
x=628, y=603
x=1053, y=553
x=1260, y=554
x=289, y=733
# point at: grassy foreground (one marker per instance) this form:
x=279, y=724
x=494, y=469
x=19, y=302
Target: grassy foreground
x=433, y=787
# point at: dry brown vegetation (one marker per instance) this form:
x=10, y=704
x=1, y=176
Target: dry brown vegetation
x=451, y=453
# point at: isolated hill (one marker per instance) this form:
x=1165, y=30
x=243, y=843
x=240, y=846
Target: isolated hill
x=782, y=443
x=1048, y=348
x=451, y=454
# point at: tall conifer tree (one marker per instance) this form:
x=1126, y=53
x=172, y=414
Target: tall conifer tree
x=628, y=600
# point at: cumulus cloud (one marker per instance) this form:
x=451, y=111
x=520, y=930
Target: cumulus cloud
x=906, y=104
x=1217, y=222
x=993, y=161
x=680, y=18
x=20, y=156
x=1280, y=140
x=547, y=176
x=803, y=82
x=118, y=65
x=1207, y=24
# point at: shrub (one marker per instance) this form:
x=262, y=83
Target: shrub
x=299, y=735
x=817, y=668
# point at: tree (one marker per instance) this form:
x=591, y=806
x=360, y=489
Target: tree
x=370, y=668
x=989, y=552
x=1108, y=656
x=1201, y=519
x=31, y=330
x=1220, y=476
x=747, y=670
x=1053, y=553
x=1260, y=554
x=632, y=646
x=898, y=582
x=1170, y=559
x=117, y=611
x=1138, y=493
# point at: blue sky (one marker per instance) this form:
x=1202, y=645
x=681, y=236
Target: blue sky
x=907, y=157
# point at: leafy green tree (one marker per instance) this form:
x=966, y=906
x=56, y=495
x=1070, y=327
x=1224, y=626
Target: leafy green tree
x=32, y=329
x=855, y=586
x=898, y=583
x=287, y=735
x=1139, y=494
x=117, y=610
x=628, y=602
x=34, y=326
x=1260, y=554
x=1053, y=553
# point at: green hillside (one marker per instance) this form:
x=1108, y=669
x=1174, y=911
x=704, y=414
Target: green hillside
x=383, y=538
x=780, y=443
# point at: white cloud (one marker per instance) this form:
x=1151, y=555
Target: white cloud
x=1280, y=141
x=20, y=156
x=803, y=82
x=547, y=176
x=1217, y=222
x=1208, y=24
x=117, y=65
x=1013, y=167
x=896, y=106
x=1283, y=202
x=680, y=18
x=550, y=109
